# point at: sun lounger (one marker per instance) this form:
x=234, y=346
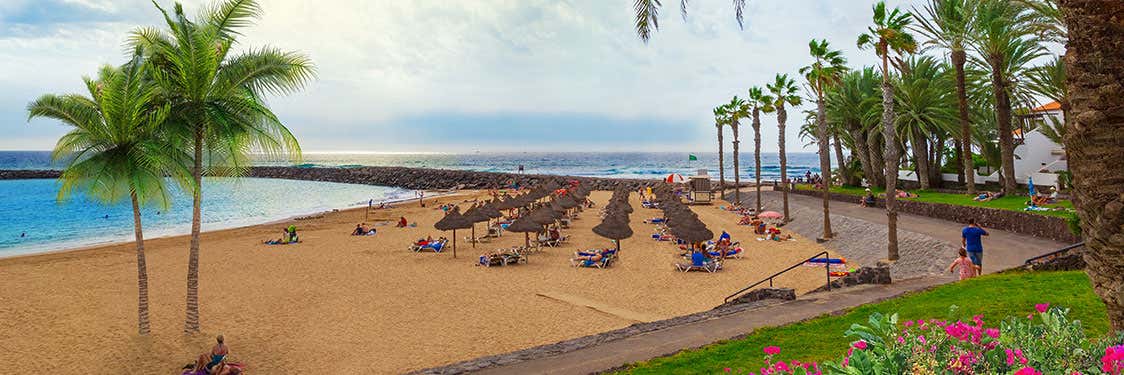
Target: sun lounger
x=435, y=246
x=502, y=258
x=607, y=258
x=699, y=263
x=733, y=252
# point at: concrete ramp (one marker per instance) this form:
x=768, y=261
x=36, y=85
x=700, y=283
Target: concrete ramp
x=600, y=307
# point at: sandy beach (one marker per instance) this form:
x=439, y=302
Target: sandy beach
x=342, y=304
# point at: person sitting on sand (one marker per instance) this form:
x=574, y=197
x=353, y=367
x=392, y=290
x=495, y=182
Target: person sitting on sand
x=402, y=222
x=360, y=229
x=218, y=352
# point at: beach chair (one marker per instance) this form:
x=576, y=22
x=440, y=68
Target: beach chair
x=699, y=263
x=436, y=246
x=732, y=252
x=607, y=259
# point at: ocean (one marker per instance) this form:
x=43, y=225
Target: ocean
x=32, y=220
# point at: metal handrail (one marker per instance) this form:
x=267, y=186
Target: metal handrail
x=1055, y=252
x=827, y=266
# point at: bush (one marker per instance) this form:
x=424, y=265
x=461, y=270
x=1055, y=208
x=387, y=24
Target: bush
x=1044, y=342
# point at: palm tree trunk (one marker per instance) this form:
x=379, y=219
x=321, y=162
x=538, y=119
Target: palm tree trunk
x=936, y=162
x=737, y=176
x=782, y=116
x=876, y=158
x=959, y=57
x=191, y=323
x=958, y=163
x=862, y=150
x=920, y=157
x=1003, y=114
x=840, y=160
x=1095, y=63
x=891, y=159
x=142, y=270
x=757, y=156
x=721, y=163
x=825, y=164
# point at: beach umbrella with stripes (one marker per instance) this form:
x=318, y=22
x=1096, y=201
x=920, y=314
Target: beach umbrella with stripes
x=453, y=221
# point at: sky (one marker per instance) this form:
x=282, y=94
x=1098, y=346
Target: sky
x=458, y=76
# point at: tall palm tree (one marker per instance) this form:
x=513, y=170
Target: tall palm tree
x=888, y=36
x=825, y=71
x=924, y=102
x=738, y=109
x=216, y=100
x=117, y=150
x=783, y=90
x=1002, y=35
x=721, y=119
x=948, y=25
x=1095, y=68
x=758, y=101
x=1048, y=80
x=855, y=105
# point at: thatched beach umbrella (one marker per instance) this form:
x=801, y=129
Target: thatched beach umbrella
x=692, y=234
x=615, y=228
x=525, y=225
x=453, y=221
x=474, y=215
x=566, y=201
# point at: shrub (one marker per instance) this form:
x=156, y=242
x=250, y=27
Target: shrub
x=1044, y=342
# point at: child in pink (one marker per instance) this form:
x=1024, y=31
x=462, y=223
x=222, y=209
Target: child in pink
x=967, y=268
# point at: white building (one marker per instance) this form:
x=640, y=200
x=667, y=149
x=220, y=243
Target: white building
x=1036, y=156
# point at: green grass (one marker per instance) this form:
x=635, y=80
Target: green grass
x=994, y=296
x=1012, y=203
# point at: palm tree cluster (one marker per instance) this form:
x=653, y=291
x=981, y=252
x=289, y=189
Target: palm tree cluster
x=958, y=91
x=184, y=106
x=952, y=78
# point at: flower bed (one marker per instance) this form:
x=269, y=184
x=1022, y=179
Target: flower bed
x=1044, y=342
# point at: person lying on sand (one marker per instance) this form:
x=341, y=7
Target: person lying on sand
x=362, y=229
x=283, y=240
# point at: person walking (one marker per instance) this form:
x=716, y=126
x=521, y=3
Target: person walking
x=972, y=241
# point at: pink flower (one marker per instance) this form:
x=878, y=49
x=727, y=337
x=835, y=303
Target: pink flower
x=781, y=366
x=908, y=323
x=901, y=340
x=1028, y=371
x=1019, y=354
x=1113, y=360
x=772, y=350
x=1042, y=307
x=727, y=369
x=860, y=345
x=1010, y=358
x=992, y=332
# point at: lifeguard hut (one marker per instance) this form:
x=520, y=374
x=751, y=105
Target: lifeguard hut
x=699, y=191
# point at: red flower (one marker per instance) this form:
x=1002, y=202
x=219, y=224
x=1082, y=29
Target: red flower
x=772, y=350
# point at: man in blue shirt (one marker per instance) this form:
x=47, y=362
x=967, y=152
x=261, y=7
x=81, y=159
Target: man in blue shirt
x=972, y=242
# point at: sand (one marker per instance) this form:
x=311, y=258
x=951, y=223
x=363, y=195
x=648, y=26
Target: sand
x=342, y=304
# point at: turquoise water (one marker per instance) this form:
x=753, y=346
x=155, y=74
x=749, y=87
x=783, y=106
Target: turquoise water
x=31, y=220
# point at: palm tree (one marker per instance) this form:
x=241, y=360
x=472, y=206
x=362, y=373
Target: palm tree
x=825, y=71
x=889, y=36
x=721, y=118
x=738, y=109
x=216, y=100
x=1095, y=68
x=854, y=105
x=648, y=12
x=924, y=105
x=117, y=149
x=758, y=102
x=1002, y=36
x=783, y=90
x=948, y=24
x=1048, y=80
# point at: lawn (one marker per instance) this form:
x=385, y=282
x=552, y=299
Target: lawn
x=1013, y=203
x=994, y=296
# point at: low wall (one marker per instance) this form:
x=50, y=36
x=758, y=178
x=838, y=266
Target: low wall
x=1041, y=226
x=401, y=177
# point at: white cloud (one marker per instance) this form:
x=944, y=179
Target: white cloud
x=384, y=60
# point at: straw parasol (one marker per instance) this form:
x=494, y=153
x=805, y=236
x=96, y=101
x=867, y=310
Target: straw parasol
x=475, y=215
x=615, y=228
x=453, y=221
x=524, y=225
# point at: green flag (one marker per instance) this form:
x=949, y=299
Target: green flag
x=692, y=157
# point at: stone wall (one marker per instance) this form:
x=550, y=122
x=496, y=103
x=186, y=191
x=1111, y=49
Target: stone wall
x=401, y=177
x=783, y=294
x=879, y=274
x=1041, y=226
x=6, y=174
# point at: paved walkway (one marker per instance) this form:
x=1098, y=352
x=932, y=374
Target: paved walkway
x=667, y=341
x=1002, y=249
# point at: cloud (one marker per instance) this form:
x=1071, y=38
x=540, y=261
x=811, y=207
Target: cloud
x=418, y=75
